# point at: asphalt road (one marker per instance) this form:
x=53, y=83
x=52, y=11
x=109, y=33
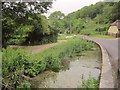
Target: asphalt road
x=112, y=48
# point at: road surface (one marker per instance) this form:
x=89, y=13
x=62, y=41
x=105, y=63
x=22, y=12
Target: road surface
x=112, y=48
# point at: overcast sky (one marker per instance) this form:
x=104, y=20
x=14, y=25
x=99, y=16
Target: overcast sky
x=68, y=6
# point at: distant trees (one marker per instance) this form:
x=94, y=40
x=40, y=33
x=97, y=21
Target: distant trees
x=93, y=19
x=116, y=11
x=56, y=15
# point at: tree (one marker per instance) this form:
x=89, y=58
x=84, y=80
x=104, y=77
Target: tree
x=78, y=25
x=115, y=12
x=18, y=16
x=56, y=22
x=56, y=15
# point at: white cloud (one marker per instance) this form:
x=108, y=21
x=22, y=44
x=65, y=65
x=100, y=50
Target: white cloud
x=68, y=6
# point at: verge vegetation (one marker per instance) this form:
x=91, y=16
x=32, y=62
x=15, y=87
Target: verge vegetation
x=102, y=36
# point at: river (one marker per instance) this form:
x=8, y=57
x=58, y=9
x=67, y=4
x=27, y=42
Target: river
x=73, y=72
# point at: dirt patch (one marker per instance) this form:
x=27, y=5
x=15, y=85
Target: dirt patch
x=37, y=48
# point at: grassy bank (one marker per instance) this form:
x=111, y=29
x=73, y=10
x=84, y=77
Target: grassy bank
x=17, y=63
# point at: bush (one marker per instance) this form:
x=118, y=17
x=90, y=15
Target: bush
x=34, y=68
x=35, y=38
x=13, y=65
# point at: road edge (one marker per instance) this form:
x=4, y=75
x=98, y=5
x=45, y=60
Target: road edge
x=106, y=75
x=106, y=78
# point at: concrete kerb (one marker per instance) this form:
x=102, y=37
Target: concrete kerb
x=106, y=78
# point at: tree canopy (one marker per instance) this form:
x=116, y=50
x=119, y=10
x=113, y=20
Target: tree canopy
x=55, y=20
x=23, y=23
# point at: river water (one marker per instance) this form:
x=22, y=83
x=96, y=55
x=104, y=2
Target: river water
x=71, y=76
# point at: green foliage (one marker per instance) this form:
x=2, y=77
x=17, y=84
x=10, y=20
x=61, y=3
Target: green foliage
x=51, y=58
x=35, y=66
x=115, y=11
x=90, y=83
x=13, y=65
x=26, y=26
x=20, y=35
x=56, y=15
x=56, y=22
x=11, y=59
x=101, y=36
x=91, y=20
x=42, y=32
x=25, y=85
x=16, y=62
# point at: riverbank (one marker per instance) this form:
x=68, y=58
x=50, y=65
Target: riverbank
x=75, y=70
x=16, y=62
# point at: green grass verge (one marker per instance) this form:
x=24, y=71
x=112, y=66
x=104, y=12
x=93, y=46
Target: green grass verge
x=101, y=36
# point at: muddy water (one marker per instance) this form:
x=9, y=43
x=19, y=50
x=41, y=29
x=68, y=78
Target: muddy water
x=71, y=75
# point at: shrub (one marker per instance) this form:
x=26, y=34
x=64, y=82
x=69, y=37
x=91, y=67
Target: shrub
x=13, y=65
x=53, y=61
x=34, y=68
